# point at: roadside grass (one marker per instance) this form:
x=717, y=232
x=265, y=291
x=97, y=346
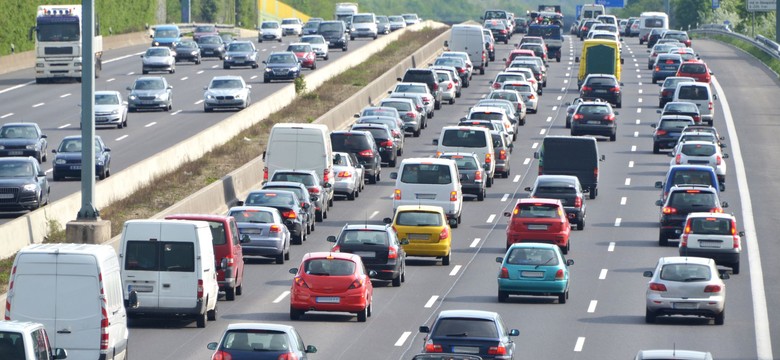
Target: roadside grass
x=168, y=189
x=748, y=47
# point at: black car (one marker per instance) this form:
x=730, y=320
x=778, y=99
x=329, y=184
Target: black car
x=566, y=188
x=187, y=50
x=289, y=206
x=603, y=86
x=385, y=142
x=362, y=144
x=335, y=33
x=669, y=86
x=475, y=332
x=653, y=36
x=300, y=190
x=283, y=65
x=379, y=248
x=521, y=25
x=23, y=139
x=668, y=130
x=67, y=159
x=471, y=172
x=212, y=46
x=498, y=29
x=427, y=77
x=682, y=200
x=592, y=118
x=23, y=184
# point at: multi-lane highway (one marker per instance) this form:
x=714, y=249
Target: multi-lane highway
x=603, y=318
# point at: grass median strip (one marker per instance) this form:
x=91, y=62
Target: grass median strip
x=167, y=190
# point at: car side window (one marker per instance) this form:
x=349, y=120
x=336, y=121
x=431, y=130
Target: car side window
x=40, y=345
x=234, y=231
x=298, y=340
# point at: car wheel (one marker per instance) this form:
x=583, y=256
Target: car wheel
x=445, y=260
x=417, y=133
x=568, y=124
x=363, y=314
x=370, y=309
x=200, y=320
x=344, y=49
x=656, y=149
x=613, y=137
x=481, y=195
x=720, y=318
x=397, y=281
x=482, y=70
x=240, y=289
x=318, y=216
x=649, y=316
x=212, y=314
x=226, y=66
x=352, y=195
x=503, y=296
x=102, y=174
x=287, y=254
x=663, y=240
x=594, y=191
x=230, y=294
x=437, y=105
x=280, y=258
x=298, y=240
x=295, y=314
x=565, y=249
x=581, y=224
x=735, y=268
x=372, y=179
x=457, y=94
x=400, y=152
x=563, y=296
x=392, y=163
x=266, y=80
x=489, y=181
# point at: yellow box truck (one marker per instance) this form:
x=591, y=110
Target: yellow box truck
x=599, y=57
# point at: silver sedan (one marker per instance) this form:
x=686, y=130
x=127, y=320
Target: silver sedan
x=263, y=232
x=349, y=175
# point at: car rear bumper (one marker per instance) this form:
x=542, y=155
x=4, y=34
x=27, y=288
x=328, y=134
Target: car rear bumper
x=586, y=129
x=721, y=256
x=532, y=287
x=438, y=249
x=351, y=302
x=560, y=239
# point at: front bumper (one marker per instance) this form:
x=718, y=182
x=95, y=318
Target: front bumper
x=147, y=104
x=72, y=170
x=227, y=103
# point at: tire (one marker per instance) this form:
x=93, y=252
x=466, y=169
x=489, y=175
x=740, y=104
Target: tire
x=656, y=149
x=295, y=314
x=489, y=182
x=416, y=133
x=613, y=137
x=102, y=175
x=56, y=178
x=326, y=57
x=207, y=109
x=649, y=316
x=397, y=281
x=297, y=240
x=351, y=196
x=735, y=268
x=372, y=179
x=436, y=105
x=481, y=196
x=344, y=49
x=318, y=216
x=594, y=191
x=452, y=101
x=393, y=162
x=581, y=224
x=565, y=250
x=287, y=255
x=619, y=104
x=563, y=296
x=363, y=314
x=482, y=70
x=655, y=81
x=503, y=296
x=568, y=124
x=280, y=258
x=465, y=85
x=663, y=240
x=230, y=294
x=266, y=81
x=200, y=320
x=720, y=318
x=212, y=314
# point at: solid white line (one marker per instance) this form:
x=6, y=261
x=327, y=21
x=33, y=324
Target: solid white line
x=404, y=336
x=199, y=102
x=535, y=145
x=633, y=147
x=517, y=177
x=636, y=133
x=38, y=105
x=623, y=200
x=6, y=115
x=526, y=162
x=375, y=213
x=618, y=221
x=122, y=58
x=63, y=126
x=549, y=118
x=628, y=181
x=214, y=66
x=505, y=197
x=64, y=95
x=603, y=273
x=121, y=138
x=475, y=242
x=281, y=297
x=592, y=306
x=491, y=218
x=760, y=313
x=150, y=124
x=130, y=73
x=431, y=301
x=631, y=163
x=110, y=80
x=12, y=88
x=175, y=112
x=455, y=270
x=579, y=344
x=48, y=171
x=611, y=246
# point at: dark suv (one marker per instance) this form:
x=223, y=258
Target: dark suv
x=379, y=248
x=388, y=148
x=428, y=77
x=668, y=130
x=568, y=190
x=681, y=201
x=362, y=144
x=335, y=33
x=593, y=118
x=603, y=86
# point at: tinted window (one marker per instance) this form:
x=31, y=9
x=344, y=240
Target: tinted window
x=363, y=236
x=486, y=116
x=305, y=179
x=23, y=169
x=692, y=199
x=654, y=23
x=691, y=177
x=693, y=69
x=674, y=124
x=569, y=154
x=464, y=138
x=18, y=132
x=530, y=210
x=269, y=25
x=531, y=256
x=464, y=162
x=331, y=27
x=400, y=106
x=141, y=255
x=698, y=150
x=561, y=188
x=685, y=272
x=362, y=19
x=693, y=93
x=253, y=216
x=426, y=174
x=326, y=267
x=711, y=226
x=178, y=256
x=218, y=236
x=349, y=142
x=270, y=199
x=12, y=344
x=160, y=256
x=418, y=218
x=681, y=107
x=245, y=341
x=473, y=328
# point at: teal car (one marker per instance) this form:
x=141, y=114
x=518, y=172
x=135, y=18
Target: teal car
x=533, y=269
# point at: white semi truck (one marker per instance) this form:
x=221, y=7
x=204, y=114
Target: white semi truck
x=344, y=12
x=58, y=43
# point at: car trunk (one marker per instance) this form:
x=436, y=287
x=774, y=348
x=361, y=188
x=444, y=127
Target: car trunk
x=568, y=196
x=329, y=284
x=369, y=253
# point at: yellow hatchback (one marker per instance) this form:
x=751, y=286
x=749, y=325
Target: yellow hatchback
x=427, y=230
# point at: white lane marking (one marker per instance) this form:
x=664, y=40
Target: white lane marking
x=253, y=77
x=639, y=100
x=491, y=218
x=63, y=126
x=628, y=181
x=579, y=344
x=185, y=78
x=38, y=105
x=623, y=200
x=631, y=163
x=64, y=95
x=431, y=301
x=640, y=91
x=637, y=65
x=638, y=110
x=526, y=162
x=611, y=246
x=110, y=80
x=475, y=242
x=455, y=270
x=639, y=76
x=121, y=138
x=603, y=273
x=549, y=118
x=517, y=177
x=504, y=198
x=618, y=221
x=12, y=88
x=281, y=297
x=150, y=124
x=640, y=83
x=199, y=102
x=760, y=313
x=375, y=213
x=404, y=336
x=636, y=133
x=637, y=70
x=563, y=89
x=48, y=171
x=638, y=121
x=633, y=147
x=122, y=57
x=541, y=132
x=199, y=72
x=131, y=73
x=592, y=306
x=175, y=112
x=535, y=145
x=568, y=74
x=555, y=107
x=559, y=98
x=565, y=81
x=214, y=66
x=6, y=115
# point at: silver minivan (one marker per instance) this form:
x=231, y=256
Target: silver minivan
x=700, y=94
x=429, y=181
x=469, y=139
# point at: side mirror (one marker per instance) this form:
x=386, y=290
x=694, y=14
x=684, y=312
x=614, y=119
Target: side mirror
x=404, y=241
x=424, y=329
x=653, y=125
x=142, y=56
x=389, y=91
x=245, y=239
x=569, y=262
x=60, y=354
x=659, y=203
x=452, y=222
x=446, y=43
x=41, y=174
x=129, y=88
x=331, y=238
x=356, y=116
x=327, y=185
x=499, y=259
x=264, y=62
x=724, y=204
x=44, y=135
x=647, y=274
x=240, y=203
x=577, y=59
x=659, y=185
x=725, y=156
x=529, y=189
x=507, y=214
x=108, y=149
x=387, y=220
x=648, y=51
x=399, y=79
x=132, y=300
x=212, y=346
x=311, y=349
x=504, y=59
x=293, y=271
x=603, y=157
x=435, y=141
x=657, y=112
x=622, y=61
x=724, y=275
x=714, y=96
x=394, y=175
x=53, y=151
x=514, y=332
x=223, y=264
x=536, y=155
x=617, y=113
x=372, y=274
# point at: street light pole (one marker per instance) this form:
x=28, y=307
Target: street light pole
x=88, y=210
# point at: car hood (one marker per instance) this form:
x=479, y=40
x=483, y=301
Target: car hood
x=17, y=142
x=270, y=31
x=158, y=59
x=147, y=92
x=107, y=108
x=224, y=92
x=241, y=53
x=16, y=181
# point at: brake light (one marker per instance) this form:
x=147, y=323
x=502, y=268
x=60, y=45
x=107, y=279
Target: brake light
x=710, y=104
x=435, y=86
x=411, y=114
x=488, y=158
x=532, y=96
x=718, y=160
x=665, y=93
x=387, y=143
x=496, y=85
x=667, y=210
x=502, y=31
x=678, y=159
x=736, y=241
x=586, y=88
x=684, y=240
x=444, y=234
x=697, y=119
x=453, y=196
x=397, y=195
x=660, y=132
x=104, y=316
x=418, y=107
x=541, y=170
x=300, y=282
x=8, y=300
x=366, y=153
x=657, y=68
x=502, y=154
x=559, y=274
x=578, y=117
x=712, y=289
x=687, y=229
x=344, y=174
x=657, y=287
x=392, y=253
x=449, y=86
x=357, y=284
x=610, y=117
x=273, y=229
x=326, y=175
x=615, y=89
x=314, y=190
x=716, y=210
x=433, y=348
x=289, y=214
x=596, y=172
x=733, y=227
x=497, y=350
x=288, y=356
x=578, y=201
x=265, y=173
x=461, y=70
x=504, y=273
x=200, y=288
x=478, y=175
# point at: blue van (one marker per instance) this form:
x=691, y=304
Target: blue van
x=688, y=174
x=166, y=35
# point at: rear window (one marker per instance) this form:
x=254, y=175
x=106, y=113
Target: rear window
x=160, y=256
x=400, y=106
x=418, y=218
x=377, y=133
x=654, y=23
x=460, y=327
x=506, y=77
x=555, y=189
x=711, y=226
x=218, y=236
x=601, y=81
x=249, y=341
x=434, y=174
x=536, y=211
x=531, y=256
x=698, y=149
x=681, y=107
x=464, y=138
x=298, y=191
x=593, y=110
x=464, y=162
x=685, y=272
x=693, y=68
x=278, y=198
x=349, y=142
x=418, y=76
x=692, y=199
x=253, y=216
x=674, y=124
x=697, y=177
x=329, y=267
x=305, y=179
x=519, y=88
x=420, y=89
x=503, y=95
x=486, y=116
x=363, y=236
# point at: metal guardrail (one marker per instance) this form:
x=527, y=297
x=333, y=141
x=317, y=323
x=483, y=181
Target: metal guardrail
x=766, y=45
x=190, y=27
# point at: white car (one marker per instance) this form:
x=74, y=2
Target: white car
x=292, y=26
x=318, y=44
x=447, y=84
x=27, y=340
x=349, y=175
x=526, y=89
x=270, y=30
x=714, y=236
x=699, y=152
x=529, y=76
x=158, y=58
x=226, y=92
x=110, y=109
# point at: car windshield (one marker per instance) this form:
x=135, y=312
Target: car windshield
x=299, y=48
x=11, y=169
x=74, y=145
x=418, y=218
x=149, y=85
x=396, y=19
x=165, y=33
x=698, y=149
x=226, y=84
x=106, y=99
x=685, y=272
x=248, y=341
x=330, y=27
x=253, y=216
x=186, y=45
x=329, y=267
x=426, y=174
x=712, y=226
x=377, y=133
x=362, y=19
x=465, y=327
x=240, y=47
x=289, y=21
x=313, y=40
x=531, y=210
x=276, y=198
x=282, y=59
x=532, y=256
x=210, y=40
x=157, y=52
x=18, y=132
x=269, y=25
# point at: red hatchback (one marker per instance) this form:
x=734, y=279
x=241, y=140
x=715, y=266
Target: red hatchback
x=518, y=53
x=305, y=54
x=538, y=220
x=696, y=69
x=328, y=281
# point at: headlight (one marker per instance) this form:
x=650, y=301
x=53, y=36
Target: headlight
x=228, y=58
x=239, y=96
x=30, y=147
x=59, y=161
x=293, y=69
x=30, y=187
x=2, y=147
x=114, y=112
x=162, y=96
x=132, y=97
x=194, y=52
x=210, y=96
x=268, y=70
x=99, y=162
x=156, y=43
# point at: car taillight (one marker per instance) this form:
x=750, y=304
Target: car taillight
x=497, y=350
x=411, y=114
x=265, y=173
x=392, y=253
x=427, y=100
x=433, y=348
x=435, y=87
x=397, y=194
x=200, y=288
x=502, y=154
x=418, y=107
x=488, y=158
x=712, y=289
x=716, y=210
x=326, y=175
x=221, y=355
x=684, y=240
x=478, y=175
x=586, y=88
x=669, y=210
x=453, y=196
x=502, y=31
x=710, y=105
x=578, y=201
x=449, y=86
x=496, y=85
x=504, y=273
x=444, y=234
x=718, y=160
x=578, y=117
x=541, y=170
x=596, y=172
x=657, y=287
x=665, y=93
x=461, y=70
x=366, y=153
x=289, y=214
x=287, y=356
x=678, y=159
x=357, y=284
x=274, y=229
x=300, y=282
x=559, y=274
x=615, y=89
x=387, y=143
x=736, y=241
x=660, y=132
x=344, y=174
x=609, y=117
x=314, y=190
x=697, y=119
x=532, y=96
x=657, y=68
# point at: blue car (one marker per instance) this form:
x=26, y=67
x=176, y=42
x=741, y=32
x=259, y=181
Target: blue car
x=533, y=269
x=67, y=158
x=283, y=65
x=473, y=332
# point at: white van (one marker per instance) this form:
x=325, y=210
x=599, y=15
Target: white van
x=293, y=146
x=170, y=265
x=429, y=181
x=470, y=139
x=651, y=20
x=469, y=39
x=363, y=25
x=700, y=94
x=75, y=291
x=27, y=341
x=592, y=11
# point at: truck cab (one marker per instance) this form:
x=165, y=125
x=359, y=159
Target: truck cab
x=58, y=43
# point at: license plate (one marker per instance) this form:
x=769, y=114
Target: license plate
x=366, y=254
x=75, y=167
x=101, y=118
x=6, y=196
x=532, y=274
x=17, y=152
x=419, y=236
x=537, y=227
x=710, y=243
x=140, y=288
x=594, y=122
x=328, y=299
x=147, y=102
x=601, y=91
x=208, y=52
x=425, y=196
x=465, y=349
x=685, y=305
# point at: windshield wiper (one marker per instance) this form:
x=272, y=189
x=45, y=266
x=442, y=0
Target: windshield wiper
x=545, y=263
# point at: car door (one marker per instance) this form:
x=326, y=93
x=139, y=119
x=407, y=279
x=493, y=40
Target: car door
x=178, y=282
